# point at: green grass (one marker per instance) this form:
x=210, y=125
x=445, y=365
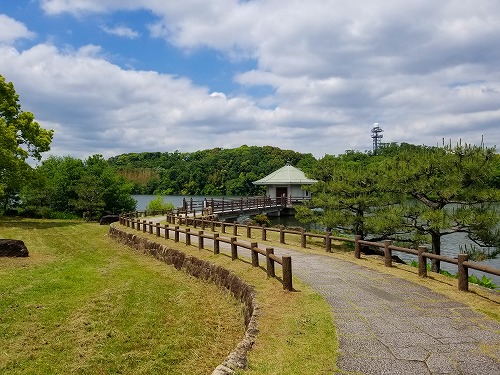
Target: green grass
x=296, y=329
x=83, y=304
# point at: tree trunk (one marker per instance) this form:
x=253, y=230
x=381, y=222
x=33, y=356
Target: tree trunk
x=436, y=249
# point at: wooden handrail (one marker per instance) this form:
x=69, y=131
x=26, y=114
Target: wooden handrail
x=285, y=261
x=172, y=217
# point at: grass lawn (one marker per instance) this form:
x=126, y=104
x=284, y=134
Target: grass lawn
x=296, y=329
x=83, y=304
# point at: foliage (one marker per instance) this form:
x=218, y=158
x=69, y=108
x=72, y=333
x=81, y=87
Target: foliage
x=158, y=204
x=477, y=254
x=68, y=185
x=215, y=171
x=21, y=138
x=409, y=193
x=349, y=196
x=483, y=281
x=449, y=190
x=262, y=219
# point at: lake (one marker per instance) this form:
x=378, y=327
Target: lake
x=450, y=245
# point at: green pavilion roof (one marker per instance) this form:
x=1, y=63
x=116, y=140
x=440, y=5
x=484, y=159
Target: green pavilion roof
x=285, y=175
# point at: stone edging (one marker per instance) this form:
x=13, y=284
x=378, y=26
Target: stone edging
x=210, y=272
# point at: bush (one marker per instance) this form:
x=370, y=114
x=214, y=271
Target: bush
x=158, y=204
x=262, y=219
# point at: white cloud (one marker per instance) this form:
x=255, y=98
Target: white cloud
x=121, y=31
x=425, y=70
x=11, y=30
x=98, y=107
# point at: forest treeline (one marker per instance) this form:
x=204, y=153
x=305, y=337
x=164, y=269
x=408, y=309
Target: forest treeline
x=214, y=171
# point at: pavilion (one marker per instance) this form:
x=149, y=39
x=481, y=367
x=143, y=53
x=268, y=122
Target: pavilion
x=286, y=182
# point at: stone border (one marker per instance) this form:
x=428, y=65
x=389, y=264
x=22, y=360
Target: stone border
x=204, y=270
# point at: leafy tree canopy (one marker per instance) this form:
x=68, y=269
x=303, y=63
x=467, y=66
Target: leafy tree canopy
x=21, y=138
x=410, y=193
x=68, y=185
x=215, y=171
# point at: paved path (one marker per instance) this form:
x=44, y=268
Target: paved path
x=387, y=325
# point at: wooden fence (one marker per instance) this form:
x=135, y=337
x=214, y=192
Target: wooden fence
x=462, y=260
x=134, y=221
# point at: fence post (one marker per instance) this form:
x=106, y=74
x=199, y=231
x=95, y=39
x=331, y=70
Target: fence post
x=167, y=234
x=255, y=254
x=176, y=239
x=357, y=247
x=194, y=219
x=264, y=234
x=150, y=227
x=302, y=238
x=216, y=243
x=270, y=262
x=282, y=234
x=235, y=229
x=200, y=240
x=249, y=231
x=188, y=237
x=212, y=224
x=144, y=225
x=157, y=229
x=287, y=272
x=223, y=227
x=234, y=249
x=387, y=253
x=422, y=261
x=328, y=242
x=463, y=273
x=132, y=224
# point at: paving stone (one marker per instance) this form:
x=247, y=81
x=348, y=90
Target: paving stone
x=356, y=345
x=405, y=340
x=379, y=366
x=411, y=353
x=441, y=364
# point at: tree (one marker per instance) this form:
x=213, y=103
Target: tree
x=69, y=185
x=410, y=193
x=90, y=197
x=349, y=197
x=451, y=192
x=21, y=138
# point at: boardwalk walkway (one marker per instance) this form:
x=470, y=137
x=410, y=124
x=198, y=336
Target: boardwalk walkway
x=387, y=325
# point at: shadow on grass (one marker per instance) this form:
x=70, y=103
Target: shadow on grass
x=22, y=223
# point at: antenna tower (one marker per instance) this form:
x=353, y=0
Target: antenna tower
x=376, y=136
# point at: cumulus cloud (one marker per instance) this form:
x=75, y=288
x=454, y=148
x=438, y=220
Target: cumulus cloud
x=11, y=30
x=425, y=70
x=97, y=106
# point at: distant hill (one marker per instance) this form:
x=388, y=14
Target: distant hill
x=214, y=171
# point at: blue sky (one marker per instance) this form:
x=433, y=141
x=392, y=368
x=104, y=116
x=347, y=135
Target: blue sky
x=122, y=76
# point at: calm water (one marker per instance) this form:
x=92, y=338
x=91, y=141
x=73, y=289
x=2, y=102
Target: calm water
x=450, y=246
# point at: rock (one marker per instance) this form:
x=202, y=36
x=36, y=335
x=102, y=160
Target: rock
x=108, y=219
x=13, y=248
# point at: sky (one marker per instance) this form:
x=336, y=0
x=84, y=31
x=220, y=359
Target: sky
x=120, y=76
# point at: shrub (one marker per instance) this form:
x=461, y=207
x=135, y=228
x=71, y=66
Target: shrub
x=262, y=219
x=158, y=204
